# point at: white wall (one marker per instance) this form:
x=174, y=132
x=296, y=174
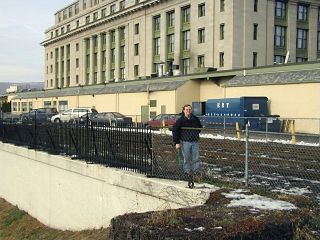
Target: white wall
x=70, y=194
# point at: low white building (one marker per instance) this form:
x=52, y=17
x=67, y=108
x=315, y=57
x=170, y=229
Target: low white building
x=12, y=89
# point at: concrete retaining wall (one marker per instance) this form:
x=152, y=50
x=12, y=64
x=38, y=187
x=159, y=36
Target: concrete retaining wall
x=70, y=194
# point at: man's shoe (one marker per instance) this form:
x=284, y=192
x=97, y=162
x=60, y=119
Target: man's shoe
x=198, y=178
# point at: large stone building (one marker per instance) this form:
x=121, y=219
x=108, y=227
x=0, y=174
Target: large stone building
x=102, y=41
x=121, y=55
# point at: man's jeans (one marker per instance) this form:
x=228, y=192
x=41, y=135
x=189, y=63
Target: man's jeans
x=190, y=152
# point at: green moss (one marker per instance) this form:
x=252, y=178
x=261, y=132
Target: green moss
x=176, y=221
x=14, y=215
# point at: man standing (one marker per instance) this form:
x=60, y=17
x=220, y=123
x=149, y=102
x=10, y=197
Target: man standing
x=186, y=137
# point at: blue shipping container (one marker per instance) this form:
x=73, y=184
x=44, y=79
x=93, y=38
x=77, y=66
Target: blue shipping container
x=228, y=111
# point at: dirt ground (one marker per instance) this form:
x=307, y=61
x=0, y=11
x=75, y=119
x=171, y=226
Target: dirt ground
x=214, y=220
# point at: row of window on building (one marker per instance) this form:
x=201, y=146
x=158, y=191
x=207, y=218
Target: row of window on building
x=26, y=106
x=74, y=9
x=302, y=31
x=279, y=42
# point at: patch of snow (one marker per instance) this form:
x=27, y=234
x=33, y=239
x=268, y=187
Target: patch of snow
x=293, y=191
x=200, y=229
x=306, y=180
x=241, y=190
x=217, y=227
x=263, y=140
x=257, y=201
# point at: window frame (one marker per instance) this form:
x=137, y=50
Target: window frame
x=136, y=49
x=200, y=61
x=201, y=10
x=186, y=42
x=281, y=8
x=302, y=12
x=136, y=28
x=186, y=66
x=222, y=29
x=302, y=40
x=156, y=46
x=186, y=14
x=201, y=35
x=255, y=31
x=221, y=59
x=170, y=43
x=255, y=5
x=255, y=59
x=122, y=4
x=280, y=36
x=170, y=19
x=156, y=23
x=136, y=70
x=222, y=5
x=318, y=41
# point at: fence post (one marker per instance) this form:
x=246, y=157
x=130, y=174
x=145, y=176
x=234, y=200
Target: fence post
x=293, y=132
x=163, y=129
x=87, y=140
x=35, y=129
x=1, y=113
x=247, y=154
x=238, y=130
x=267, y=129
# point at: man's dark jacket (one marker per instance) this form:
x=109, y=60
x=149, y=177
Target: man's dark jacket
x=187, y=135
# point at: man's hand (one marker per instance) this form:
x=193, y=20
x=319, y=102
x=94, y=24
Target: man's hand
x=178, y=146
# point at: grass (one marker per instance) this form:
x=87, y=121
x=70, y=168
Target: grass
x=16, y=224
x=14, y=215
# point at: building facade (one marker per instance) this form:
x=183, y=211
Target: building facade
x=102, y=41
x=143, y=58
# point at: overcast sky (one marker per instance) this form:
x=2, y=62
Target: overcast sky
x=22, y=26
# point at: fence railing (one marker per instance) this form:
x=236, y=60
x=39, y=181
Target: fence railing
x=275, y=161
x=116, y=146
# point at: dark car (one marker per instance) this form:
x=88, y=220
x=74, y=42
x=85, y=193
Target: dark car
x=103, y=119
x=163, y=120
x=39, y=115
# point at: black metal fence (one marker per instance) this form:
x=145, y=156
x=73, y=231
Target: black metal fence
x=115, y=146
x=276, y=161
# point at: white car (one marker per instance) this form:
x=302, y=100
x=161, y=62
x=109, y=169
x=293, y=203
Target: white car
x=71, y=113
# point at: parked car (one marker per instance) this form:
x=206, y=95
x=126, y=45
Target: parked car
x=10, y=118
x=71, y=114
x=163, y=120
x=83, y=119
x=39, y=115
x=104, y=119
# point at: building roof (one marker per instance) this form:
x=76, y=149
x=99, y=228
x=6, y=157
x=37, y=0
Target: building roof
x=273, y=78
x=119, y=87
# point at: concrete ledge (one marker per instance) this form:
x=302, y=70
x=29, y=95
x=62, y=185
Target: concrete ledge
x=70, y=194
